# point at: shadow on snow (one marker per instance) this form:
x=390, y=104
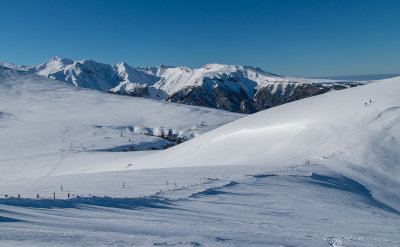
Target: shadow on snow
x=108, y=202
x=349, y=185
x=6, y=219
x=79, y=202
x=342, y=183
x=214, y=191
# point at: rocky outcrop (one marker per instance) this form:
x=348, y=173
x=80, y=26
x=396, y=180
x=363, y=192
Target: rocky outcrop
x=275, y=94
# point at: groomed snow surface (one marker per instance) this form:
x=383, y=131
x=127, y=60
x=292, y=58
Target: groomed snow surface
x=323, y=171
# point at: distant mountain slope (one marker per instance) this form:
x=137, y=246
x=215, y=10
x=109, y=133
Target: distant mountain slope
x=243, y=89
x=89, y=74
x=234, y=88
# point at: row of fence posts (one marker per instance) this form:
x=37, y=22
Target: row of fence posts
x=38, y=196
x=73, y=195
x=54, y=194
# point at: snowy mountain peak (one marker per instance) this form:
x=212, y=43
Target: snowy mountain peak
x=90, y=62
x=122, y=64
x=220, y=67
x=226, y=68
x=52, y=65
x=61, y=60
x=162, y=66
x=128, y=74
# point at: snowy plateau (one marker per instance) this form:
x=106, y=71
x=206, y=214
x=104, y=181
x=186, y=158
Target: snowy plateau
x=82, y=167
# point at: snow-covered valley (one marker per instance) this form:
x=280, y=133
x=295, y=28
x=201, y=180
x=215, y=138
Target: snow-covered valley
x=322, y=171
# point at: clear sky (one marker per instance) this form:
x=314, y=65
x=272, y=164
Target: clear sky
x=297, y=38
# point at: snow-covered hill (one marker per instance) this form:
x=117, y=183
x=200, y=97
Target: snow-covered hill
x=242, y=89
x=354, y=131
x=44, y=122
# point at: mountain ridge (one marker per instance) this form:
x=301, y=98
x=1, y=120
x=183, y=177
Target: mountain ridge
x=236, y=88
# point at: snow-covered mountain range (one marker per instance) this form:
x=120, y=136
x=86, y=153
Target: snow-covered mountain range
x=243, y=89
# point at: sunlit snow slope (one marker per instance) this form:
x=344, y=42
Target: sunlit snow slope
x=355, y=131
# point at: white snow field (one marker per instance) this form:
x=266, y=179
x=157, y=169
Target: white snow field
x=45, y=122
x=323, y=171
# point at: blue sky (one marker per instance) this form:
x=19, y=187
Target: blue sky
x=298, y=38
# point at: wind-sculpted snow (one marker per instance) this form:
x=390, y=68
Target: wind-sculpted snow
x=162, y=199
x=214, y=191
x=281, y=210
